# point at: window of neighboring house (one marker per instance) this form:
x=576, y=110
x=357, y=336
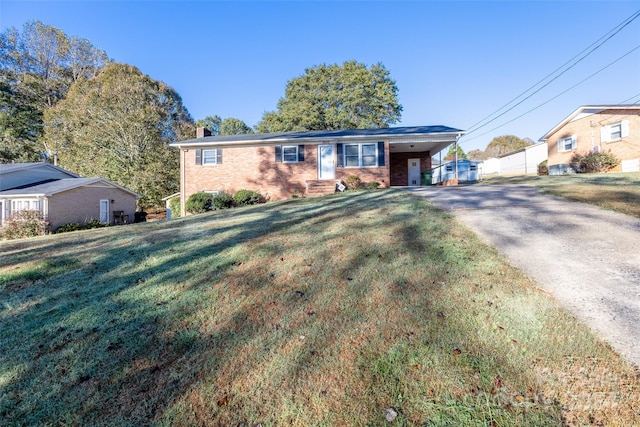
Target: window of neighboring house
x=616, y=131
x=25, y=205
x=360, y=155
x=473, y=167
x=567, y=144
x=449, y=168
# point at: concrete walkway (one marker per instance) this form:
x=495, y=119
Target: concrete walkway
x=588, y=258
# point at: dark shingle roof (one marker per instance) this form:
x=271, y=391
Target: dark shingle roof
x=318, y=135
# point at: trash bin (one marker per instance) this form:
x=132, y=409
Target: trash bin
x=426, y=178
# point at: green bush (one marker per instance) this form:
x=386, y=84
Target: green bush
x=174, y=205
x=223, y=201
x=75, y=226
x=372, y=185
x=199, y=203
x=353, y=182
x=72, y=226
x=246, y=197
x=27, y=223
x=594, y=162
x=543, y=169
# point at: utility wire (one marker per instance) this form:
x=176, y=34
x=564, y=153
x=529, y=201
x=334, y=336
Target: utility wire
x=561, y=93
x=598, y=43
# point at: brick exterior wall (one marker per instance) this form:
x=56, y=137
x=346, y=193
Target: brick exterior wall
x=588, y=133
x=400, y=166
x=83, y=203
x=255, y=168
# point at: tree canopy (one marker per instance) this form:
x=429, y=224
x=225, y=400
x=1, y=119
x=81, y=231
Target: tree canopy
x=228, y=126
x=451, y=154
x=37, y=67
x=117, y=125
x=333, y=97
x=499, y=146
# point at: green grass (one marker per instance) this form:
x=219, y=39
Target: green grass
x=614, y=191
x=305, y=312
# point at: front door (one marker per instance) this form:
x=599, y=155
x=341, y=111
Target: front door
x=326, y=162
x=414, y=172
x=104, y=211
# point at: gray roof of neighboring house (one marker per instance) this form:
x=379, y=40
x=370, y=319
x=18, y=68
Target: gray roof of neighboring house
x=58, y=186
x=12, y=167
x=397, y=134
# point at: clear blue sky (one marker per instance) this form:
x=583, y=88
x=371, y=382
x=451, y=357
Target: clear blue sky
x=454, y=62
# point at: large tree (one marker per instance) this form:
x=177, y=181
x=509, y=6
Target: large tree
x=37, y=67
x=500, y=146
x=228, y=126
x=451, y=154
x=332, y=97
x=505, y=144
x=19, y=127
x=118, y=125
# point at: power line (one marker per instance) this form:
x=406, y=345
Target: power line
x=598, y=43
x=560, y=94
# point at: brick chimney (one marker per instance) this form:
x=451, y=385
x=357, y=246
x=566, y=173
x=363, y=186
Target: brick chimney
x=202, y=132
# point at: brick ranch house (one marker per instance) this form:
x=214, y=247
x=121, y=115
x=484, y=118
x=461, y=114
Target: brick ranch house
x=62, y=196
x=596, y=128
x=279, y=165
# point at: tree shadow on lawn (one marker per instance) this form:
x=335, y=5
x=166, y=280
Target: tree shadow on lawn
x=76, y=329
x=159, y=325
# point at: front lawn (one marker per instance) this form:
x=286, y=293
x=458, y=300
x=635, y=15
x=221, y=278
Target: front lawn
x=337, y=311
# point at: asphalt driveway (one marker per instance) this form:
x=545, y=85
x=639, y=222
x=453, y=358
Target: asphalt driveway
x=588, y=258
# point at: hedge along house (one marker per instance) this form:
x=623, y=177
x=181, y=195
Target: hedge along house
x=279, y=165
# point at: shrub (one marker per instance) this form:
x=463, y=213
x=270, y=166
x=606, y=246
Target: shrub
x=223, y=201
x=199, y=203
x=353, y=182
x=27, y=223
x=174, y=205
x=372, y=185
x=594, y=162
x=543, y=169
x=75, y=226
x=93, y=223
x=72, y=226
x=246, y=197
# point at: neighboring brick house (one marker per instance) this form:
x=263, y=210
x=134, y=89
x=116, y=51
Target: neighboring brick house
x=279, y=165
x=596, y=128
x=63, y=197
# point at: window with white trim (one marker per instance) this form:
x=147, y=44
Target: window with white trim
x=615, y=131
x=210, y=157
x=360, y=155
x=289, y=153
x=567, y=143
x=25, y=205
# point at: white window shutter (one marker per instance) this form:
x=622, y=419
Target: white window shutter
x=574, y=141
x=605, y=134
x=559, y=145
x=624, y=127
